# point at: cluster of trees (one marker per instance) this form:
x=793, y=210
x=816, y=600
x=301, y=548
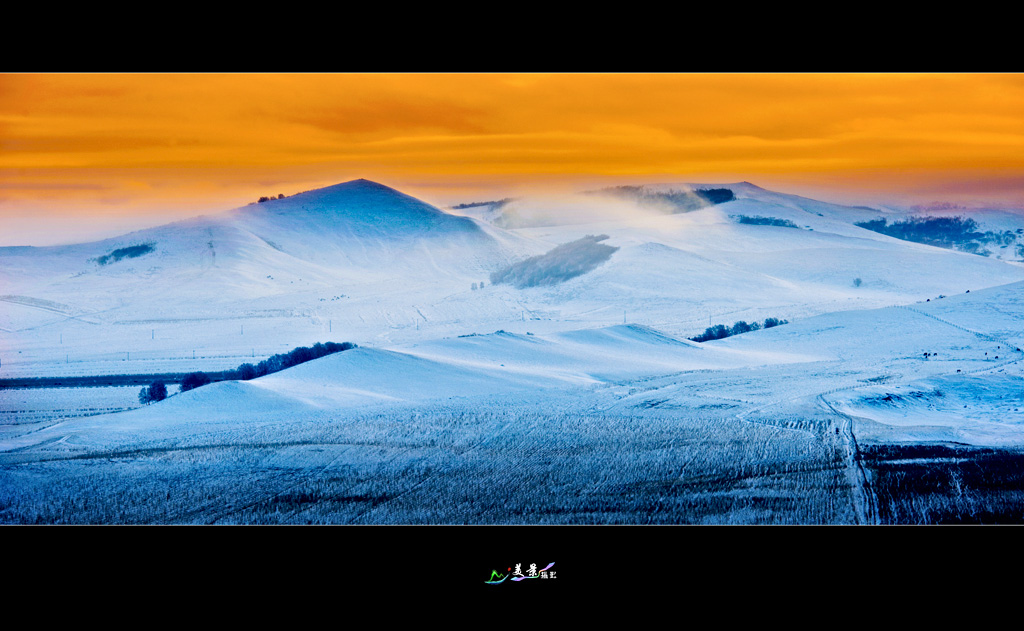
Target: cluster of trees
x=157, y=391
x=499, y=203
x=720, y=331
x=961, y=233
x=270, y=199
x=944, y=231
x=766, y=221
x=716, y=195
x=193, y=380
x=129, y=252
x=296, y=356
x=301, y=354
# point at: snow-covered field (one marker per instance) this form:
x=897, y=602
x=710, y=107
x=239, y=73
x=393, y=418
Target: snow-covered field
x=472, y=402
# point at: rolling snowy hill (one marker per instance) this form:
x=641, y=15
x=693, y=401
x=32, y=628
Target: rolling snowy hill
x=619, y=424
x=576, y=401
x=325, y=237
x=363, y=262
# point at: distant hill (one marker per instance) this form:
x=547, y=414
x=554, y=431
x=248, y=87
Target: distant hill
x=328, y=236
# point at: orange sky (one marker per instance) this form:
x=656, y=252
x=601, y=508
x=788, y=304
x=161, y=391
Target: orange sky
x=105, y=151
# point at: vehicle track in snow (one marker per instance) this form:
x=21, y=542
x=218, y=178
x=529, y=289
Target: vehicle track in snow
x=864, y=497
x=47, y=306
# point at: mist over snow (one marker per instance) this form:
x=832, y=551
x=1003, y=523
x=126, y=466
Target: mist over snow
x=566, y=208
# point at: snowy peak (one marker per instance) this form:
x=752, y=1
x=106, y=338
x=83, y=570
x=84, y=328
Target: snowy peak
x=356, y=207
x=360, y=191
x=367, y=184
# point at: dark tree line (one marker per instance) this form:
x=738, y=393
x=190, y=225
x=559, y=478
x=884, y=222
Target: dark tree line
x=766, y=221
x=946, y=232
x=129, y=252
x=296, y=356
x=498, y=203
x=720, y=331
x=301, y=354
x=194, y=380
x=716, y=195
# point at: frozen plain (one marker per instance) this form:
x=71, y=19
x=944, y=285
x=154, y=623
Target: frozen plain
x=575, y=403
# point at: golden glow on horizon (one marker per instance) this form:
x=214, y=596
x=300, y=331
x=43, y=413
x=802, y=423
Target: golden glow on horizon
x=132, y=142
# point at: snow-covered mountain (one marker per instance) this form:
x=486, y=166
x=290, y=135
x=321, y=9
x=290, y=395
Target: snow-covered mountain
x=579, y=400
x=351, y=232
x=362, y=262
